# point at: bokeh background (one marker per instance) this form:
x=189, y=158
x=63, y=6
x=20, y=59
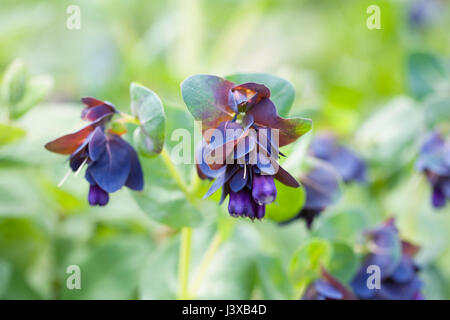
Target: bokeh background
x=364, y=85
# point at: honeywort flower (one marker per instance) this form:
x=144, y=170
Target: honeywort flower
x=395, y=260
x=349, y=165
x=434, y=162
x=111, y=161
x=327, y=288
x=242, y=132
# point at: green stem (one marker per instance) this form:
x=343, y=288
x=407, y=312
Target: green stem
x=174, y=173
x=184, y=260
x=206, y=261
x=186, y=232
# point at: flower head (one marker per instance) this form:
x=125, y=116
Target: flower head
x=111, y=161
x=242, y=132
x=349, y=165
x=395, y=259
x=434, y=162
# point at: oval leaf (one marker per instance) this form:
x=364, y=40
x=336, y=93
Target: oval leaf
x=206, y=98
x=148, y=109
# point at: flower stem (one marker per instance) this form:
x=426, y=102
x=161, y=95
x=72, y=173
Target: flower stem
x=206, y=261
x=184, y=260
x=174, y=173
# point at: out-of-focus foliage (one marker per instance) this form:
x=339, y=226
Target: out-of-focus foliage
x=380, y=91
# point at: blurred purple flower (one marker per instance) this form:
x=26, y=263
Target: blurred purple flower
x=111, y=161
x=322, y=189
x=434, y=162
x=349, y=165
x=423, y=12
x=398, y=271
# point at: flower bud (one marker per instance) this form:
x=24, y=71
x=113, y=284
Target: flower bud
x=264, y=190
x=241, y=204
x=97, y=196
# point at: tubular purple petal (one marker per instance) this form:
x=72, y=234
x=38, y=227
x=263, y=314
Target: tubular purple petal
x=263, y=190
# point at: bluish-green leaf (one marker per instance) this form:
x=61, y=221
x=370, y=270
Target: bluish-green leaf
x=273, y=279
x=307, y=260
x=425, y=73
x=148, y=109
x=110, y=270
x=14, y=83
x=437, y=110
x=162, y=199
x=38, y=88
x=343, y=263
x=206, y=98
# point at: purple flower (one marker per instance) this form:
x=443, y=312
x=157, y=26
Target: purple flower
x=242, y=132
x=434, y=162
x=250, y=186
x=322, y=189
x=97, y=196
x=423, y=12
x=399, y=280
x=349, y=165
x=327, y=288
x=111, y=162
x=264, y=190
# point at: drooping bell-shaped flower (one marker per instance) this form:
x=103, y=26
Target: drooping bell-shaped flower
x=111, y=162
x=434, y=162
x=349, y=165
x=242, y=132
x=397, y=270
x=97, y=196
x=263, y=189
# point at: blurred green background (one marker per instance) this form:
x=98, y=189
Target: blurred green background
x=365, y=85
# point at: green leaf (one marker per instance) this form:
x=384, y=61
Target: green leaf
x=18, y=194
x=437, y=110
x=21, y=241
x=425, y=73
x=38, y=88
x=162, y=199
x=343, y=225
x=288, y=203
x=273, y=278
x=232, y=273
x=14, y=83
x=343, y=263
x=110, y=271
x=19, y=287
x=159, y=276
x=206, y=98
x=5, y=275
x=387, y=137
x=307, y=260
x=282, y=92
x=148, y=109
x=9, y=134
